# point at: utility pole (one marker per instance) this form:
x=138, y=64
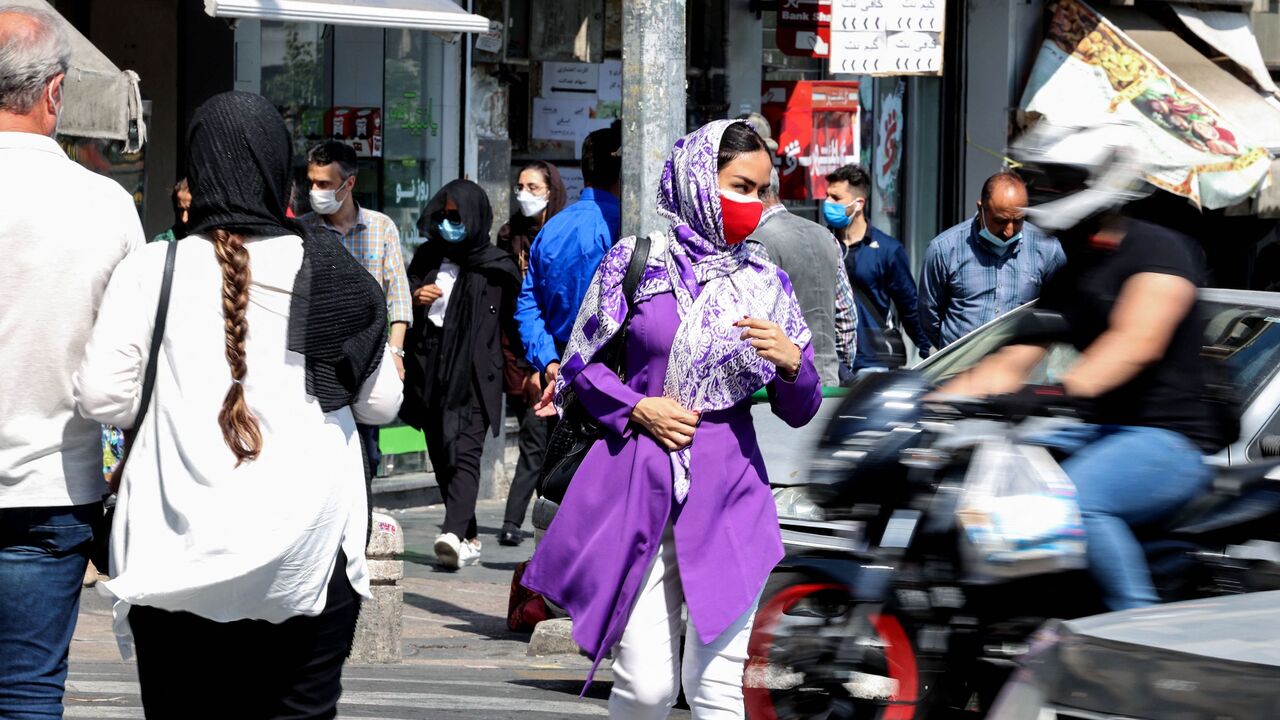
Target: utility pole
x=653, y=103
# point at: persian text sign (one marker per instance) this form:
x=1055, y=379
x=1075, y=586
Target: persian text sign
x=1088, y=71
x=887, y=37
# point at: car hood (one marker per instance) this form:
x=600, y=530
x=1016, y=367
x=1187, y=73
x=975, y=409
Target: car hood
x=1217, y=658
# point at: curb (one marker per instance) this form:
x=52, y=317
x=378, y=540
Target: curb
x=405, y=491
x=553, y=637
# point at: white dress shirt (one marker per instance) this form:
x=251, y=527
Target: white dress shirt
x=62, y=231
x=193, y=531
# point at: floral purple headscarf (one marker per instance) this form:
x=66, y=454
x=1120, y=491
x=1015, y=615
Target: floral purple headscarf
x=715, y=284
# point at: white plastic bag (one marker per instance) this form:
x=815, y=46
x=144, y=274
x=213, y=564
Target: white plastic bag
x=1018, y=513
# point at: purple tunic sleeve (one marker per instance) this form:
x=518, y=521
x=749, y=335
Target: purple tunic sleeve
x=606, y=397
x=797, y=401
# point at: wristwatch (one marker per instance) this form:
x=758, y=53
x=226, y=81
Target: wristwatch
x=397, y=351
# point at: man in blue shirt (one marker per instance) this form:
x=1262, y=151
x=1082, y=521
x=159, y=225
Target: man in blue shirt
x=564, y=255
x=986, y=266
x=877, y=265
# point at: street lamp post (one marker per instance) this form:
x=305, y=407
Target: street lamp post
x=653, y=101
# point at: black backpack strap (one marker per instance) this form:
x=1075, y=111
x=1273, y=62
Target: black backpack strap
x=635, y=268
x=157, y=334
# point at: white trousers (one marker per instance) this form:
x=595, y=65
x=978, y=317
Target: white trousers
x=647, y=668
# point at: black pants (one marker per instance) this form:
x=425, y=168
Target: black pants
x=193, y=667
x=459, y=482
x=534, y=432
x=372, y=453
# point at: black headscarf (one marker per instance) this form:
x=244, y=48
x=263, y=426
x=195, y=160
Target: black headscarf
x=439, y=387
x=518, y=234
x=239, y=166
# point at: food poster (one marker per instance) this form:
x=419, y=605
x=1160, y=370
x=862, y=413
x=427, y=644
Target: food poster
x=1088, y=71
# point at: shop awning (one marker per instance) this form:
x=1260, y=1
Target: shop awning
x=1205, y=134
x=438, y=15
x=1238, y=101
x=99, y=99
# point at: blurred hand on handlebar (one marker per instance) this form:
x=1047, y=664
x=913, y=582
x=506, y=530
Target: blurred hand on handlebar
x=1034, y=400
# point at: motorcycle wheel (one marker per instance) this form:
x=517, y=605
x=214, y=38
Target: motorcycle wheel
x=815, y=653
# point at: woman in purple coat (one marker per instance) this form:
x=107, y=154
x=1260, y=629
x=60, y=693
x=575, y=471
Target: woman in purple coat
x=671, y=508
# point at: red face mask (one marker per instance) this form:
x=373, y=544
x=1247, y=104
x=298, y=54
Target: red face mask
x=741, y=215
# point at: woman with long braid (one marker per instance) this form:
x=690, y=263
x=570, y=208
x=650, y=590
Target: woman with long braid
x=237, y=552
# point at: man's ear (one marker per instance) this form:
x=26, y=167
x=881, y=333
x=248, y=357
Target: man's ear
x=56, y=90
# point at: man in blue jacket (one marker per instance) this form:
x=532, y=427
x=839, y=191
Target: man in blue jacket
x=877, y=265
x=564, y=255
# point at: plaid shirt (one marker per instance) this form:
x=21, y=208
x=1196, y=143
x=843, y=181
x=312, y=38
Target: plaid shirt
x=375, y=243
x=966, y=284
x=846, y=320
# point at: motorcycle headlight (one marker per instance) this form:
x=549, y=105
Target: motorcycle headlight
x=795, y=504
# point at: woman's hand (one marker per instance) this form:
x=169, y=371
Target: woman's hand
x=772, y=344
x=666, y=421
x=545, y=406
x=532, y=388
x=427, y=294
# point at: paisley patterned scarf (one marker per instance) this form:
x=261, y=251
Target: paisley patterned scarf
x=715, y=285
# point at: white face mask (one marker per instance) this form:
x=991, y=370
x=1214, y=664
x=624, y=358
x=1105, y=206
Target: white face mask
x=325, y=202
x=531, y=204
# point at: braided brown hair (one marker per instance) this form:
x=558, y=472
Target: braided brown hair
x=239, y=427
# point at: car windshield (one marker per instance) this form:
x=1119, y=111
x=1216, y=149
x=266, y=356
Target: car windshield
x=1245, y=336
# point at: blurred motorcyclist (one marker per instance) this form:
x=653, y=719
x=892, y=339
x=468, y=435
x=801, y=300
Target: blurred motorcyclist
x=1128, y=297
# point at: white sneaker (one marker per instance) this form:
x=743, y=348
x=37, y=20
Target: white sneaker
x=469, y=553
x=448, y=550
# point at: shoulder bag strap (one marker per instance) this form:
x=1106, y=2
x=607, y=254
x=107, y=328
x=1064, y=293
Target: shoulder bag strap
x=149, y=375
x=157, y=334
x=616, y=357
x=635, y=268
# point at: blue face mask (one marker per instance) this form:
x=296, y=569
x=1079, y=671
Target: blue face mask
x=836, y=214
x=451, y=232
x=998, y=242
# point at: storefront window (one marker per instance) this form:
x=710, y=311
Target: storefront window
x=294, y=69
x=413, y=132
x=379, y=91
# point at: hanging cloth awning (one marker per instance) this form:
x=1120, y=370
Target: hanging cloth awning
x=1208, y=136
x=99, y=100
x=437, y=15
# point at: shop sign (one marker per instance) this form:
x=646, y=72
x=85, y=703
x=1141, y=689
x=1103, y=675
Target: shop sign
x=1090, y=72
x=886, y=161
x=490, y=42
x=804, y=28
x=887, y=37
x=817, y=126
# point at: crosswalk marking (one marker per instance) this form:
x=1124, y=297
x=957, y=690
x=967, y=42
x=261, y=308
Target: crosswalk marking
x=355, y=704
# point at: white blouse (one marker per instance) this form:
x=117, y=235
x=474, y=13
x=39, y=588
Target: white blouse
x=193, y=531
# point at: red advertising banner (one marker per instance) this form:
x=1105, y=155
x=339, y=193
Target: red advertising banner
x=361, y=128
x=804, y=28
x=816, y=124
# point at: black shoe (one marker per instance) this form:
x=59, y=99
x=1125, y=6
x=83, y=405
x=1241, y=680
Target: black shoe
x=510, y=538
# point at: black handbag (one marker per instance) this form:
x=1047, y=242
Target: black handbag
x=886, y=339
x=577, y=430
x=101, y=551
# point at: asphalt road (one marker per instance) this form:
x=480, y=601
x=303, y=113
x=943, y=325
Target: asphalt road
x=460, y=661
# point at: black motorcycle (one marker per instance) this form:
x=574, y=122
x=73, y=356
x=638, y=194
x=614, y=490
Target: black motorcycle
x=880, y=616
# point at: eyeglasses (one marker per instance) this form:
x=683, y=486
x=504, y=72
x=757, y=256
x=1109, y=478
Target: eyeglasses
x=452, y=216
x=535, y=189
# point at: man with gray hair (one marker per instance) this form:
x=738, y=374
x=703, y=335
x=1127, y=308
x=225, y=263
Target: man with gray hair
x=55, y=271
x=808, y=254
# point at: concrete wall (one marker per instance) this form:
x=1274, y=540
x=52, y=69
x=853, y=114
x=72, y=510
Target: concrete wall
x=744, y=57
x=1003, y=39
